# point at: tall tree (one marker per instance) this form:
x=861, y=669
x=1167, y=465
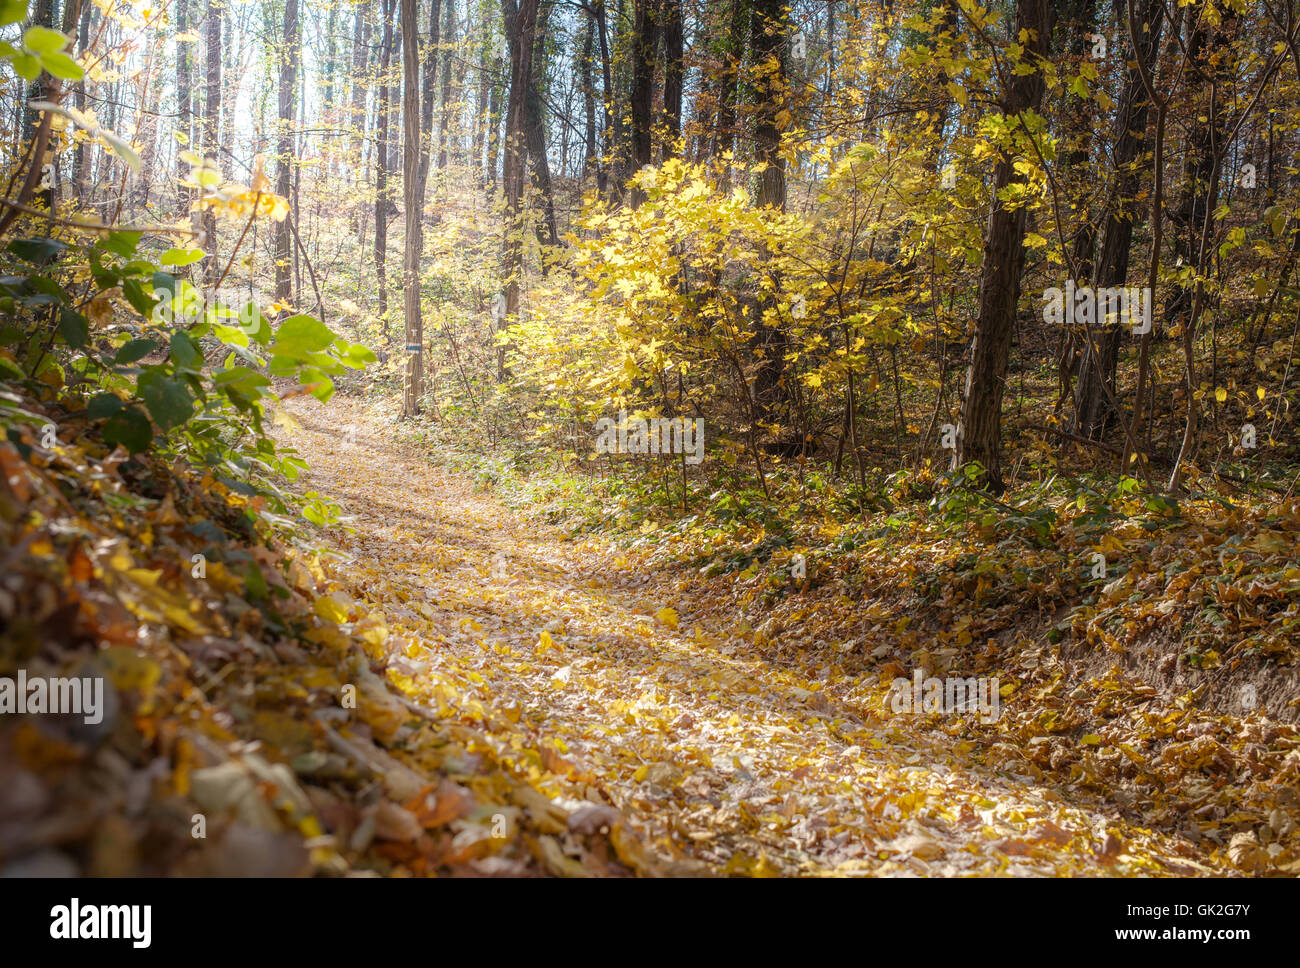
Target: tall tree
x=645, y=35
x=728, y=81
x=184, y=99
x=591, y=159
x=427, y=85
x=535, y=127
x=360, y=61
x=979, y=427
x=769, y=35
x=674, y=50
x=413, y=193
x=289, y=51
x=448, y=47
x=211, y=122
x=383, y=115
x=1098, y=358
x=521, y=24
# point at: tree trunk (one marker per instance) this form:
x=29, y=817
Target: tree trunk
x=769, y=30
x=382, y=115
x=211, y=120
x=494, y=124
x=724, y=132
x=610, y=133
x=979, y=427
x=413, y=193
x=284, y=154
x=427, y=85
x=674, y=48
x=645, y=36
x=521, y=25
x=184, y=107
x=535, y=130
x=590, y=160
x=360, y=61
x=483, y=109
x=1097, y=364
x=448, y=45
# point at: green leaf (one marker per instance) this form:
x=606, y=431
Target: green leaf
x=185, y=351
x=73, y=328
x=180, y=257
x=121, y=243
x=62, y=66
x=130, y=428
x=36, y=251
x=255, y=586
x=136, y=349
x=324, y=386
x=12, y=11
x=241, y=379
x=140, y=301
x=299, y=335
x=230, y=335
x=168, y=399
x=358, y=356
x=103, y=405
x=104, y=278
x=43, y=40
x=27, y=66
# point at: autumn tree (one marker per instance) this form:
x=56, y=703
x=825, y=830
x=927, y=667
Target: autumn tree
x=979, y=427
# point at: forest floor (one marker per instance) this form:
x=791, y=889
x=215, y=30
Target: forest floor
x=605, y=679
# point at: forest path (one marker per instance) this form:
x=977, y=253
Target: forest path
x=559, y=649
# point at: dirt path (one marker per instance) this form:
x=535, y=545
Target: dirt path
x=561, y=652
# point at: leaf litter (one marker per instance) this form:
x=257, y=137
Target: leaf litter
x=455, y=688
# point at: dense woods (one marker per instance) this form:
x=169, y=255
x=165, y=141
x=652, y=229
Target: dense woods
x=931, y=174
x=880, y=338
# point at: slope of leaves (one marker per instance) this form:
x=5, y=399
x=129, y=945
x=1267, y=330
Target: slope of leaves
x=225, y=655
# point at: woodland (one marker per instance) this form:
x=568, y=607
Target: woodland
x=658, y=438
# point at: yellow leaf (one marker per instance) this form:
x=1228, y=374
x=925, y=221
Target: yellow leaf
x=334, y=608
x=1221, y=394
x=667, y=616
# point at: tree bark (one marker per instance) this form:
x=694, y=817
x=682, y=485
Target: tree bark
x=979, y=427
x=448, y=45
x=413, y=192
x=590, y=160
x=1097, y=364
x=427, y=89
x=535, y=130
x=645, y=35
x=769, y=31
x=184, y=107
x=674, y=50
x=521, y=24
x=382, y=202
x=211, y=120
x=284, y=153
